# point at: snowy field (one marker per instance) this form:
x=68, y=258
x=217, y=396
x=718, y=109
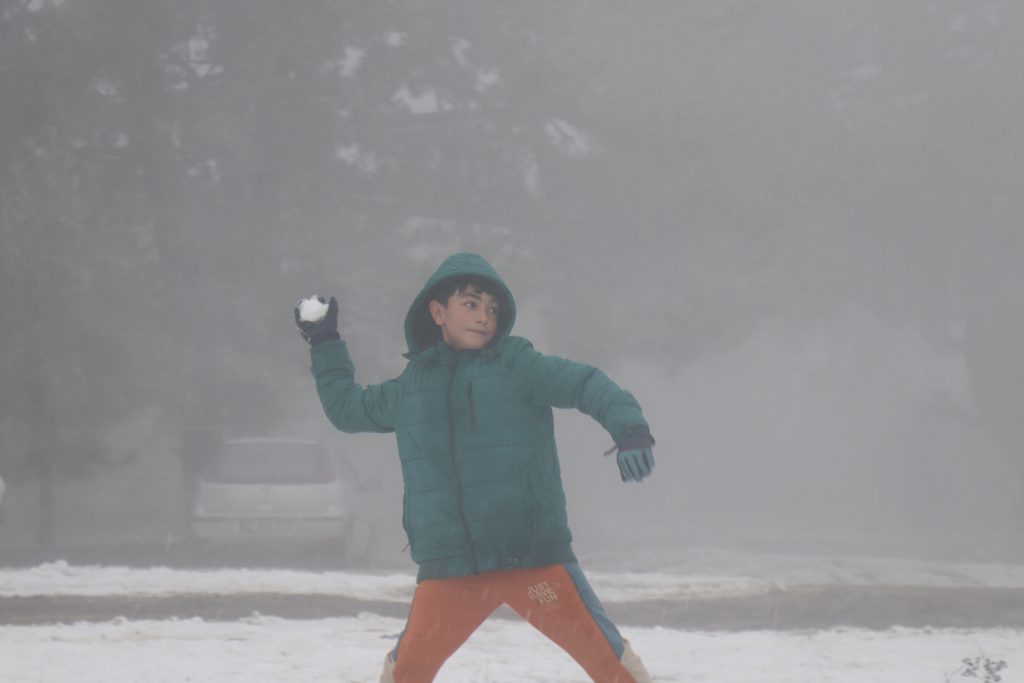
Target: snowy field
x=696, y=573
x=261, y=648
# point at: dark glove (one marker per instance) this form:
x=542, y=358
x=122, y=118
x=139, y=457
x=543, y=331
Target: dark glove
x=635, y=455
x=321, y=330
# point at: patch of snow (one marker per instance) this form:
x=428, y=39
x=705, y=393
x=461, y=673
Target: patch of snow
x=105, y=87
x=347, y=153
x=394, y=38
x=355, y=157
x=486, y=79
x=569, y=139
x=426, y=102
x=459, y=48
x=531, y=177
x=350, y=62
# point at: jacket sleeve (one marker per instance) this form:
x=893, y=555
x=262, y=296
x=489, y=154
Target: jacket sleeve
x=560, y=383
x=350, y=407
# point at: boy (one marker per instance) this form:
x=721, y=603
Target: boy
x=483, y=506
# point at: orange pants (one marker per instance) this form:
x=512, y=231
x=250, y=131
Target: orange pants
x=555, y=599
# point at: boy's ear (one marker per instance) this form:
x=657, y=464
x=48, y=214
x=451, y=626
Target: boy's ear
x=436, y=311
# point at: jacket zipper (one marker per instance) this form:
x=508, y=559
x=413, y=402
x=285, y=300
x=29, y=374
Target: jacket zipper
x=472, y=407
x=455, y=465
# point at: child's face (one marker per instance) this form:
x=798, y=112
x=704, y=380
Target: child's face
x=469, y=321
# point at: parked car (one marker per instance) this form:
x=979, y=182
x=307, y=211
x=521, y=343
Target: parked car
x=257, y=490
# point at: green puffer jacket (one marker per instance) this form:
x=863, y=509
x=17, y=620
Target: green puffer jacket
x=483, y=490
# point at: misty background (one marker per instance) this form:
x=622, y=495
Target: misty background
x=791, y=229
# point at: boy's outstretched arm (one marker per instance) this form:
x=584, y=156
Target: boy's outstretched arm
x=349, y=406
x=561, y=383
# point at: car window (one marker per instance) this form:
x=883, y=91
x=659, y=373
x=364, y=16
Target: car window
x=270, y=463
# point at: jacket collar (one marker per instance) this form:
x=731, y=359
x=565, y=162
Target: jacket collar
x=444, y=355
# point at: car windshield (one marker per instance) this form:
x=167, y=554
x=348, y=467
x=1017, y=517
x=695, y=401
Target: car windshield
x=273, y=463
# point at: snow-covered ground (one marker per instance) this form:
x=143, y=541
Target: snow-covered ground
x=689, y=575
x=261, y=648
x=351, y=649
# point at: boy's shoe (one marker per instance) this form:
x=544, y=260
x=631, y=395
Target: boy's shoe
x=633, y=665
x=388, y=674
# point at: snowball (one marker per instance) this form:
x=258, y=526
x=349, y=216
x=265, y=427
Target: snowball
x=312, y=309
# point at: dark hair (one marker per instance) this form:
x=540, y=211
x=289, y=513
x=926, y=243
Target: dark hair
x=446, y=289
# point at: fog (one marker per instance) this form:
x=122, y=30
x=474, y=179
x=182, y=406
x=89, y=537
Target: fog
x=792, y=230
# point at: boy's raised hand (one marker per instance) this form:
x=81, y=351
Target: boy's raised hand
x=635, y=455
x=317, y=325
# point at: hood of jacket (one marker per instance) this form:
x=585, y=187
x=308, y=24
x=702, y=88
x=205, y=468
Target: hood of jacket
x=421, y=333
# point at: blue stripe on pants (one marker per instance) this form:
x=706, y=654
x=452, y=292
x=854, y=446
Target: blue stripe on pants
x=595, y=608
